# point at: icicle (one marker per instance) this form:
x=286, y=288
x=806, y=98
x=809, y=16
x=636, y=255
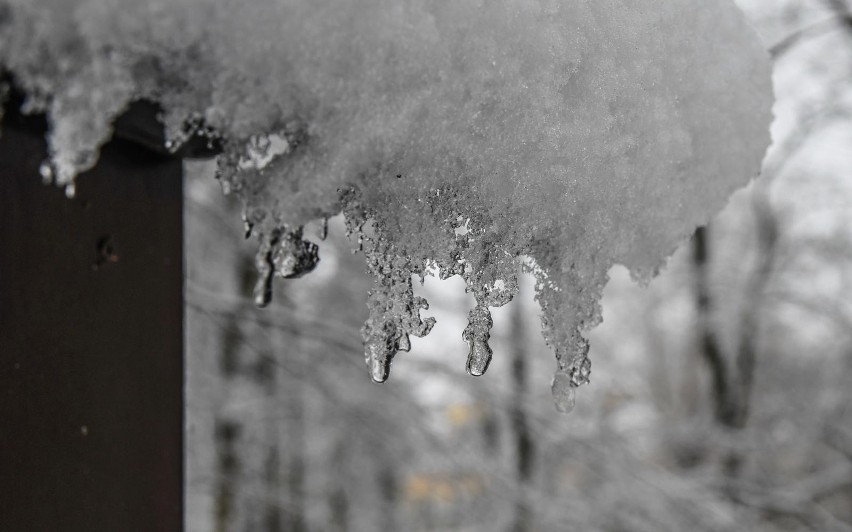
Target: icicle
x=476, y=334
x=281, y=253
x=295, y=257
x=563, y=392
x=382, y=343
x=574, y=370
x=404, y=343
x=394, y=315
x=394, y=309
x=379, y=350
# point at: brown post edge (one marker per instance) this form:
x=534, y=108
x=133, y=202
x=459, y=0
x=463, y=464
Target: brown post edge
x=91, y=340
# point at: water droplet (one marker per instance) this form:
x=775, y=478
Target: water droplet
x=379, y=352
x=478, y=358
x=295, y=257
x=571, y=375
x=46, y=172
x=563, y=392
x=70, y=190
x=405, y=342
x=281, y=253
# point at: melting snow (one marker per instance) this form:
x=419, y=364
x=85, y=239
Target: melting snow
x=455, y=137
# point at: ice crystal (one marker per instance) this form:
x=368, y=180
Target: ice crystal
x=459, y=137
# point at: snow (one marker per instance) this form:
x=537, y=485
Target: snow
x=458, y=136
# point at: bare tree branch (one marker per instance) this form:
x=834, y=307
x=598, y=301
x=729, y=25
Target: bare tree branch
x=710, y=347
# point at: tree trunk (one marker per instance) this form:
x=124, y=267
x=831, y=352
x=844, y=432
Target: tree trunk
x=524, y=447
x=732, y=386
x=711, y=351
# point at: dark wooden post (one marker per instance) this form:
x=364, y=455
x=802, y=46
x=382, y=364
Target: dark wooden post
x=91, y=340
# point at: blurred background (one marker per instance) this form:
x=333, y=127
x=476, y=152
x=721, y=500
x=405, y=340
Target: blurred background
x=720, y=395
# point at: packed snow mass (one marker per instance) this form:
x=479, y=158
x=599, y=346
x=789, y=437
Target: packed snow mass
x=462, y=138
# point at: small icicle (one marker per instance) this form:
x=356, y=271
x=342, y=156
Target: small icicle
x=404, y=343
x=295, y=257
x=282, y=253
x=476, y=334
x=379, y=351
x=571, y=375
x=70, y=190
x=563, y=392
x=478, y=358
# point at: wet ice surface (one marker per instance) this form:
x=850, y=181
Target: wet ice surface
x=456, y=138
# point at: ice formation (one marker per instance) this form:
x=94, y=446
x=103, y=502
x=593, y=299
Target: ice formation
x=456, y=137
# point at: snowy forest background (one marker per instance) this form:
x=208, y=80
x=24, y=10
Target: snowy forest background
x=720, y=396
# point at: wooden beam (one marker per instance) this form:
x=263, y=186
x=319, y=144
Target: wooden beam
x=91, y=340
